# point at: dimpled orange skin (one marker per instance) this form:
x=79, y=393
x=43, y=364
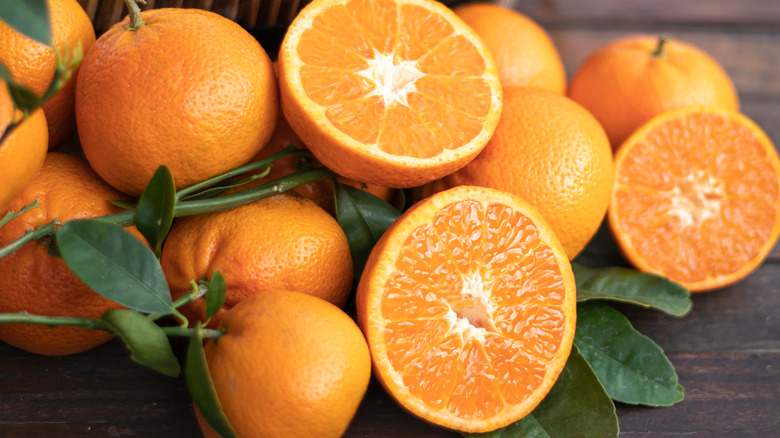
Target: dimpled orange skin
x=285, y=241
x=551, y=152
x=623, y=85
x=524, y=53
x=288, y=365
x=32, y=63
x=39, y=283
x=189, y=89
x=22, y=152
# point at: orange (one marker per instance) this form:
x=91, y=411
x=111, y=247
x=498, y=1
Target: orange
x=524, y=53
x=468, y=304
x=389, y=92
x=39, y=283
x=628, y=81
x=284, y=241
x=320, y=192
x=189, y=89
x=551, y=152
x=32, y=63
x=697, y=197
x=288, y=365
x=22, y=152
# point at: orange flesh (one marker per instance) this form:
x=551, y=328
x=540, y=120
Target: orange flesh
x=473, y=313
x=412, y=88
x=697, y=197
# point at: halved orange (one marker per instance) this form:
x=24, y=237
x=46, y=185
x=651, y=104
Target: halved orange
x=697, y=197
x=468, y=304
x=392, y=92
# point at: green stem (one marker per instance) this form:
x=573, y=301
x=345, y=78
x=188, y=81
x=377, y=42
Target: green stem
x=29, y=236
x=289, y=150
x=185, y=331
x=29, y=318
x=659, y=49
x=135, y=14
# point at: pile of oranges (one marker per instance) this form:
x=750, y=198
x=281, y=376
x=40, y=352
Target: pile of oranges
x=466, y=308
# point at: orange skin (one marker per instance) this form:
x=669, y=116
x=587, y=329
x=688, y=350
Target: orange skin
x=288, y=365
x=22, y=152
x=32, y=63
x=189, y=89
x=623, y=84
x=551, y=152
x=39, y=283
x=524, y=53
x=285, y=241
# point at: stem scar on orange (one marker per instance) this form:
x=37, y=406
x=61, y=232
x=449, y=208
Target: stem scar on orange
x=697, y=197
x=468, y=304
x=391, y=92
x=189, y=88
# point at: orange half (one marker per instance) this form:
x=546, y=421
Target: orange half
x=392, y=92
x=468, y=305
x=697, y=197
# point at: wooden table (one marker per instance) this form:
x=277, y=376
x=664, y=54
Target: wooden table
x=726, y=352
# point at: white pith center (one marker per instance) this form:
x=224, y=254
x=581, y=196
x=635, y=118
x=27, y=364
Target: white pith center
x=394, y=81
x=473, y=316
x=696, y=198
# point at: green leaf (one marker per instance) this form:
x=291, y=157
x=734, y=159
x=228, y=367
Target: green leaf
x=633, y=287
x=154, y=213
x=364, y=218
x=215, y=296
x=577, y=406
x=115, y=264
x=196, y=373
x=148, y=344
x=222, y=187
x=632, y=367
x=29, y=17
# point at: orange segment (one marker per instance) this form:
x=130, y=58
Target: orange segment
x=397, y=92
x=697, y=197
x=468, y=304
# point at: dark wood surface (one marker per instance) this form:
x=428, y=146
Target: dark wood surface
x=726, y=351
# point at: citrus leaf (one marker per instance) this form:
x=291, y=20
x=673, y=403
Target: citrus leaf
x=631, y=286
x=576, y=406
x=115, y=264
x=196, y=373
x=364, y=218
x=215, y=296
x=29, y=17
x=632, y=367
x=154, y=213
x=148, y=344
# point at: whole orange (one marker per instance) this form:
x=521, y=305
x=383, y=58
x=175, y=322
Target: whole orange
x=551, y=152
x=32, y=63
x=189, y=88
x=39, y=283
x=629, y=81
x=22, y=152
x=281, y=242
x=288, y=365
x=523, y=51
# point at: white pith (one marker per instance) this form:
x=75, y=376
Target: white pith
x=394, y=79
x=696, y=197
x=473, y=317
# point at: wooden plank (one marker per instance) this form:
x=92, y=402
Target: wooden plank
x=697, y=12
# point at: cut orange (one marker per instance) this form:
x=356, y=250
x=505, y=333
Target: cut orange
x=468, y=305
x=697, y=197
x=392, y=92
